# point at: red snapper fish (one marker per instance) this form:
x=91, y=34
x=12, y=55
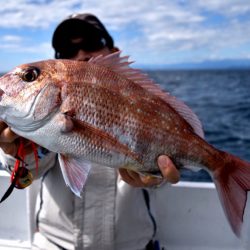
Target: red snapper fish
x=104, y=113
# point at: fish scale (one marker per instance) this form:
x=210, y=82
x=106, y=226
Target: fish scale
x=105, y=113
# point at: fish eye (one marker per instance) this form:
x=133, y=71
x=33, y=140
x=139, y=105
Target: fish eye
x=30, y=74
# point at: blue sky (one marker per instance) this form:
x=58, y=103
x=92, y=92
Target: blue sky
x=152, y=32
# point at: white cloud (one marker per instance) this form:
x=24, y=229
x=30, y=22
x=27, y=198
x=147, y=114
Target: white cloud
x=158, y=28
x=18, y=44
x=226, y=7
x=11, y=38
x=24, y=13
x=10, y=42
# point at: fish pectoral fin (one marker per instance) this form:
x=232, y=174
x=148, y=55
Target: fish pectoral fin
x=75, y=172
x=65, y=123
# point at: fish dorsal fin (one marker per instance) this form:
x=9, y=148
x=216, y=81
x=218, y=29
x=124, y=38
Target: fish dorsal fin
x=184, y=111
x=120, y=65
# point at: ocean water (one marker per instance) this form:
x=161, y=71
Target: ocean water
x=221, y=99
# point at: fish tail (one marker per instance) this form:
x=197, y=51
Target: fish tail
x=232, y=182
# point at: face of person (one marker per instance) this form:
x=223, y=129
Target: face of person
x=83, y=55
x=83, y=48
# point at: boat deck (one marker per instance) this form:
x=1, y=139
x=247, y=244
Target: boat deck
x=194, y=218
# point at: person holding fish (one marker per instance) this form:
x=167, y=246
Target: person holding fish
x=114, y=209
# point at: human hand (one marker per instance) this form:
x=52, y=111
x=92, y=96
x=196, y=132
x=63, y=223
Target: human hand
x=8, y=141
x=168, y=171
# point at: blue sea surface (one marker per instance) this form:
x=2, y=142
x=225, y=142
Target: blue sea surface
x=221, y=99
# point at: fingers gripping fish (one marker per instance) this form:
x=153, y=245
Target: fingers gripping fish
x=104, y=113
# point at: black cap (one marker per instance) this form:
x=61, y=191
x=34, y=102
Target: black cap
x=80, y=25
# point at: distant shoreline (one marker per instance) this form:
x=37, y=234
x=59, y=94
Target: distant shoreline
x=183, y=69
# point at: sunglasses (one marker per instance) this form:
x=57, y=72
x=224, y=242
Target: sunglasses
x=70, y=49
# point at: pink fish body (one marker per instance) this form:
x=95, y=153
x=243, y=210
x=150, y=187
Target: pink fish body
x=104, y=113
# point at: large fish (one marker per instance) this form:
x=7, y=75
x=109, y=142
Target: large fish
x=104, y=113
